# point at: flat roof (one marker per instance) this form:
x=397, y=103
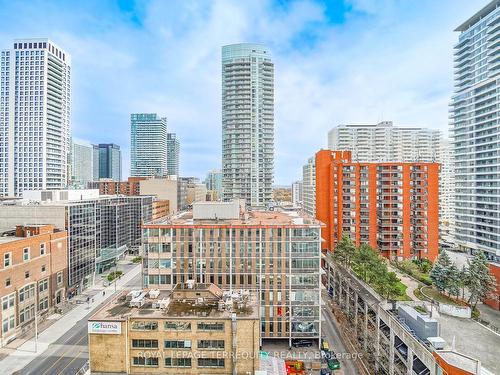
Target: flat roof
x=460, y=361
x=118, y=309
x=249, y=218
x=487, y=9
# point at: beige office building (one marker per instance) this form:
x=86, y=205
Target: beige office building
x=193, y=329
x=276, y=253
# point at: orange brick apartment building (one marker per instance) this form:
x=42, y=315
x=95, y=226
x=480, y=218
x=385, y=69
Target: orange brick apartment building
x=33, y=276
x=392, y=206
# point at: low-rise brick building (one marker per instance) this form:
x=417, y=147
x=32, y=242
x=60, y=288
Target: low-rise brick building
x=33, y=276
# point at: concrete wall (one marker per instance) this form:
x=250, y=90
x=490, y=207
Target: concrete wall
x=108, y=353
x=10, y=216
x=458, y=311
x=163, y=188
x=219, y=210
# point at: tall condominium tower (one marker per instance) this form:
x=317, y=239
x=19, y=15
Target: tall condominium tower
x=35, y=104
x=309, y=186
x=476, y=130
x=107, y=161
x=173, y=148
x=148, y=144
x=384, y=142
x=247, y=123
x=82, y=164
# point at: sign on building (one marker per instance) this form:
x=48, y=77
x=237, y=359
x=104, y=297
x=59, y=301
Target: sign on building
x=108, y=328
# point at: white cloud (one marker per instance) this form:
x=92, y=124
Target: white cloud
x=387, y=60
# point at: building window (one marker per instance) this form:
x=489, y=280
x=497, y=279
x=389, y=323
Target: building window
x=44, y=304
x=27, y=292
x=42, y=249
x=211, y=362
x=7, y=282
x=210, y=326
x=26, y=254
x=145, y=326
x=211, y=344
x=177, y=326
x=8, y=302
x=6, y=260
x=43, y=268
x=59, y=278
x=177, y=344
x=27, y=274
x=43, y=285
x=177, y=362
x=143, y=361
x=144, y=343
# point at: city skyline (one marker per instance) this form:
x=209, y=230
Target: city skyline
x=339, y=79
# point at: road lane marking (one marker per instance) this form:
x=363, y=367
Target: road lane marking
x=62, y=356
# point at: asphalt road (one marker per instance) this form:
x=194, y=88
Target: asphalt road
x=68, y=354
x=332, y=334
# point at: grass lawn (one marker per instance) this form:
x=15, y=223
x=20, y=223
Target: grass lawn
x=439, y=297
x=403, y=296
x=419, y=295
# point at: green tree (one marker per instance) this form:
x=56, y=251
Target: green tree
x=453, y=281
x=389, y=286
x=480, y=283
x=364, y=260
x=344, y=251
x=464, y=280
x=440, y=272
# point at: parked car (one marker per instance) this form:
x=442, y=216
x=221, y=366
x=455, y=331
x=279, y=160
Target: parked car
x=302, y=343
x=325, y=371
x=333, y=363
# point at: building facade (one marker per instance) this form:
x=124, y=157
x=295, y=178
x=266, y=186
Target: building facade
x=82, y=164
x=173, y=151
x=309, y=187
x=33, y=276
x=101, y=229
x=148, y=145
x=247, y=123
x=297, y=193
x=35, y=107
x=213, y=182
x=275, y=253
x=474, y=124
x=194, y=329
x=384, y=142
x=107, y=161
x=394, y=207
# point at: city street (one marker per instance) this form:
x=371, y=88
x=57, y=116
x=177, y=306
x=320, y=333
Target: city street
x=332, y=334
x=70, y=352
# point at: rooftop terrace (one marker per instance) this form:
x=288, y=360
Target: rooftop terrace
x=201, y=301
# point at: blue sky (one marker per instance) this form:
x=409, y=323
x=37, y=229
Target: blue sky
x=351, y=61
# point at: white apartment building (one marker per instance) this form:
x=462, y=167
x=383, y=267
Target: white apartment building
x=35, y=106
x=475, y=125
x=247, y=123
x=148, y=145
x=309, y=186
x=82, y=164
x=384, y=142
x=297, y=193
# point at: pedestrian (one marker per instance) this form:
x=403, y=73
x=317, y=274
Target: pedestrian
x=103, y=293
x=92, y=300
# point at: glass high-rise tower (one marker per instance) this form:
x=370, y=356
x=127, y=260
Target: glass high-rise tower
x=107, y=161
x=173, y=148
x=475, y=123
x=35, y=106
x=148, y=145
x=247, y=123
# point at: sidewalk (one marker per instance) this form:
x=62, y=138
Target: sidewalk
x=25, y=353
x=411, y=284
